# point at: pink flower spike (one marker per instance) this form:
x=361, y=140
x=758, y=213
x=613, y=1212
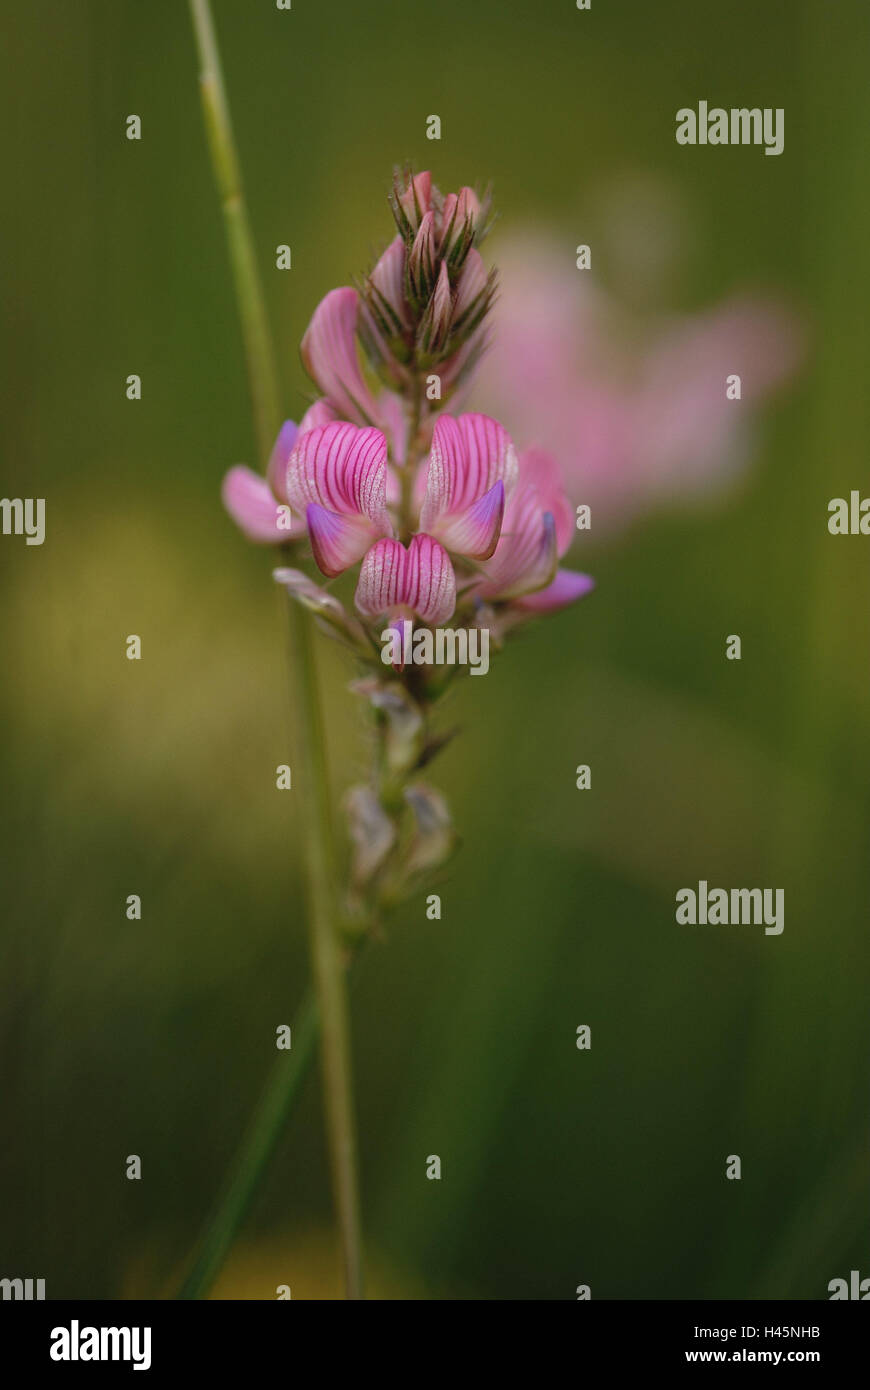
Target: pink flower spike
x=566, y=588
x=254, y=508
x=469, y=456
x=420, y=578
x=330, y=357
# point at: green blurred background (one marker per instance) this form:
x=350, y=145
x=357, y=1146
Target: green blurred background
x=157, y=777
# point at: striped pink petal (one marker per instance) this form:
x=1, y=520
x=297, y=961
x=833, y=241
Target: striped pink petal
x=255, y=509
x=342, y=468
x=330, y=357
x=337, y=541
x=469, y=456
x=419, y=578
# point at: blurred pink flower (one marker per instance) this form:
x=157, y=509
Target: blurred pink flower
x=634, y=420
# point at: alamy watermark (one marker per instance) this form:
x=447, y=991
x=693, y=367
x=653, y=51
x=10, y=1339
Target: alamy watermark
x=737, y=907
x=402, y=646
x=23, y=516
x=76, y=1343
x=22, y=1289
x=741, y=125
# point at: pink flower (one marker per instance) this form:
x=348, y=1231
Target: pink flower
x=472, y=465
x=633, y=420
x=330, y=356
x=337, y=476
x=260, y=506
x=538, y=529
x=356, y=477
x=419, y=579
x=335, y=481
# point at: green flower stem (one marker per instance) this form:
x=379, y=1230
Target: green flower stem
x=225, y=165
x=259, y=1144
x=329, y=969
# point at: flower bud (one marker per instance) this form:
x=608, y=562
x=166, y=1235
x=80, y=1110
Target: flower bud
x=460, y=219
x=435, y=325
x=422, y=263
x=434, y=838
x=372, y=832
x=404, y=735
x=332, y=615
x=411, y=199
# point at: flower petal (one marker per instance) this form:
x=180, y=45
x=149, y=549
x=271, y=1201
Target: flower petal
x=526, y=555
x=337, y=541
x=387, y=286
x=322, y=412
x=330, y=357
x=475, y=531
x=420, y=578
x=541, y=471
x=254, y=508
x=469, y=455
x=276, y=472
x=342, y=468
x=568, y=586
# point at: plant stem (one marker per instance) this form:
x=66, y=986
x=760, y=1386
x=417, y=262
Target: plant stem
x=330, y=970
x=330, y=979
x=257, y=1148
x=255, y=325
